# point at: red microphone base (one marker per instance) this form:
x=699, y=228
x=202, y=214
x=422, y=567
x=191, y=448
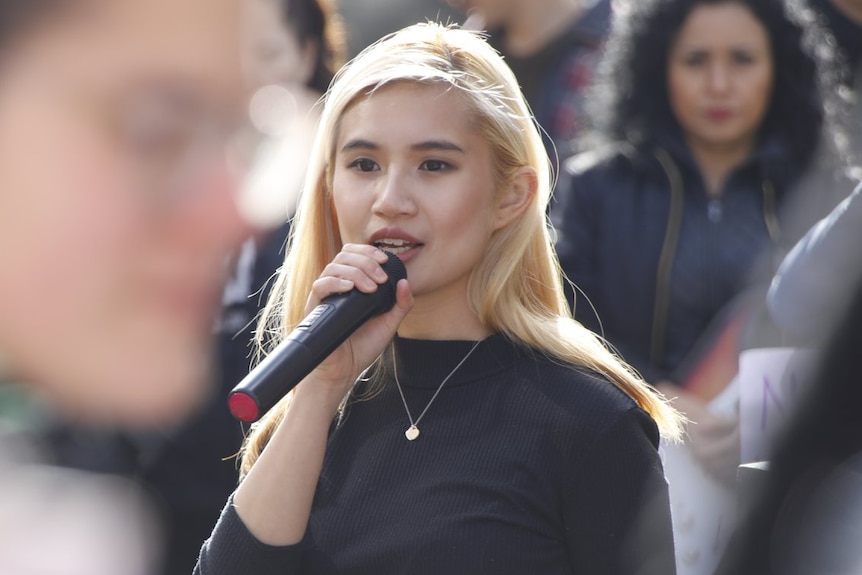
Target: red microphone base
x=243, y=407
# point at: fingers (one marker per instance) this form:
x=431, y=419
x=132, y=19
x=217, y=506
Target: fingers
x=403, y=304
x=403, y=300
x=711, y=425
x=718, y=449
x=356, y=266
x=360, y=266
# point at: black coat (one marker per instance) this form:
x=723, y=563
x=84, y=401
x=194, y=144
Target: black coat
x=655, y=257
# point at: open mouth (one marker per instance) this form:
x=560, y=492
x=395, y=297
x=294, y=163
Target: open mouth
x=395, y=246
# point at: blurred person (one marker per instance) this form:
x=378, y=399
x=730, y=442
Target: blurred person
x=538, y=449
x=815, y=281
x=832, y=175
x=292, y=48
x=118, y=207
x=844, y=20
x=552, y=47
x=366, y=21
x=706, y=115
x=804, y=516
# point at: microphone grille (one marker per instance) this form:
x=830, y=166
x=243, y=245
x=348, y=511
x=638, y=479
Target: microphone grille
x=396, y=271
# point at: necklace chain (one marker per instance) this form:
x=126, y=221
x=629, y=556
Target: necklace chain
x=413, y=431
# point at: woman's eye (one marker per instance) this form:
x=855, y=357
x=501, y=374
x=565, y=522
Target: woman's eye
x=363, y=165
x=434, y=165
x=742, y=58
x=154, y=129
x=694, y=60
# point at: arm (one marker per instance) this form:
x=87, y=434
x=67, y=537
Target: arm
x=617, y=512
x=816, y=277
x=273, y=502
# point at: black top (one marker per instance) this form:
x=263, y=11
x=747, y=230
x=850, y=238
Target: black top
x=522, y=466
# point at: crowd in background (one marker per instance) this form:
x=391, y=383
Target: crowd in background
x=705, y=155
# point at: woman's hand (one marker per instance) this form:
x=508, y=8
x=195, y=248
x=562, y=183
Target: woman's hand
x=357, y=266
x=713, y=439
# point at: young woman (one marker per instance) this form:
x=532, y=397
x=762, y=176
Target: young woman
x=491, y=432
x=293, y=49
x=708, y=113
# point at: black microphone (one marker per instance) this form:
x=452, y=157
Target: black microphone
x=317, y=336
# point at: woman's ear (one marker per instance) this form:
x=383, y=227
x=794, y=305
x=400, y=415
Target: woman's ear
x=517, y=197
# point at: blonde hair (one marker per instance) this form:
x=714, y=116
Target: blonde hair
x=517, y=289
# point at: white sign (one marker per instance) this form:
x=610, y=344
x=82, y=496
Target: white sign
x=770, y=383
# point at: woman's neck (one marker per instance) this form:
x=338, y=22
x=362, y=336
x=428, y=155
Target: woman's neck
x=716, y=162
x=441, y=318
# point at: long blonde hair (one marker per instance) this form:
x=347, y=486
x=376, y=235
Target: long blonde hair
x=517, y=289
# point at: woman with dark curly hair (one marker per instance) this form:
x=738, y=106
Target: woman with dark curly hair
x=707, y=116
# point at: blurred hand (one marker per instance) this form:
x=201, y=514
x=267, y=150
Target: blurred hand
x=713, y=439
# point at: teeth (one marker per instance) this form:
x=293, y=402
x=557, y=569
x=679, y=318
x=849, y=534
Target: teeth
x=393, y=245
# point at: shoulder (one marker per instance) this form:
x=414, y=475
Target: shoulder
x=611, y=165
x=607, y=157
x=579, y=401
x=592, y=179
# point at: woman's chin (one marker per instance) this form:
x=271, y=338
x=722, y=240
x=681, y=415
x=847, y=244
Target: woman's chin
x=147, y=390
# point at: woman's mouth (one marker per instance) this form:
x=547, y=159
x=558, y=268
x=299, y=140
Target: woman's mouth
x=395, y=246
x=718, y=114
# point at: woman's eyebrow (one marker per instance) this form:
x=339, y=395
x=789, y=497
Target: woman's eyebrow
x=437, y=145
x=359, y=144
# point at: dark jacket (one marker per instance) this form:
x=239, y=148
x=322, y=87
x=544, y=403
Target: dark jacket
x=654, y=256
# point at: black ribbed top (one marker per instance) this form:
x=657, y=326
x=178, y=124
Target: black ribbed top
x=522, y=466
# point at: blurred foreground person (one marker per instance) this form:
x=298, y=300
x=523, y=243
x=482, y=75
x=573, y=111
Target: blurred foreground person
x=117, y=209
x=803, y=515
x=293, y=50
x=474, y=427
x=552, y=47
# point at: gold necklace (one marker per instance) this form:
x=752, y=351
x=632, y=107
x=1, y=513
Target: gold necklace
x=413, y=431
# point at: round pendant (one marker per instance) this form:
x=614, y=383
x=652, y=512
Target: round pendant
x=412, y=432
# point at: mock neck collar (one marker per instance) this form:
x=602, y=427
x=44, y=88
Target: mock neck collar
x=425, y=363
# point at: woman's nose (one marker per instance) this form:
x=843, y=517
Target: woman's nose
x=393, y=195
x=718, y=78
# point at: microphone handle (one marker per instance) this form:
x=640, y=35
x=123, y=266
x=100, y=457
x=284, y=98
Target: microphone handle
x=311, y=342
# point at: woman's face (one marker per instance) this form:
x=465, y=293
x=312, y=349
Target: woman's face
x=414, y=175
x=720, y=75
x=117, y=205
